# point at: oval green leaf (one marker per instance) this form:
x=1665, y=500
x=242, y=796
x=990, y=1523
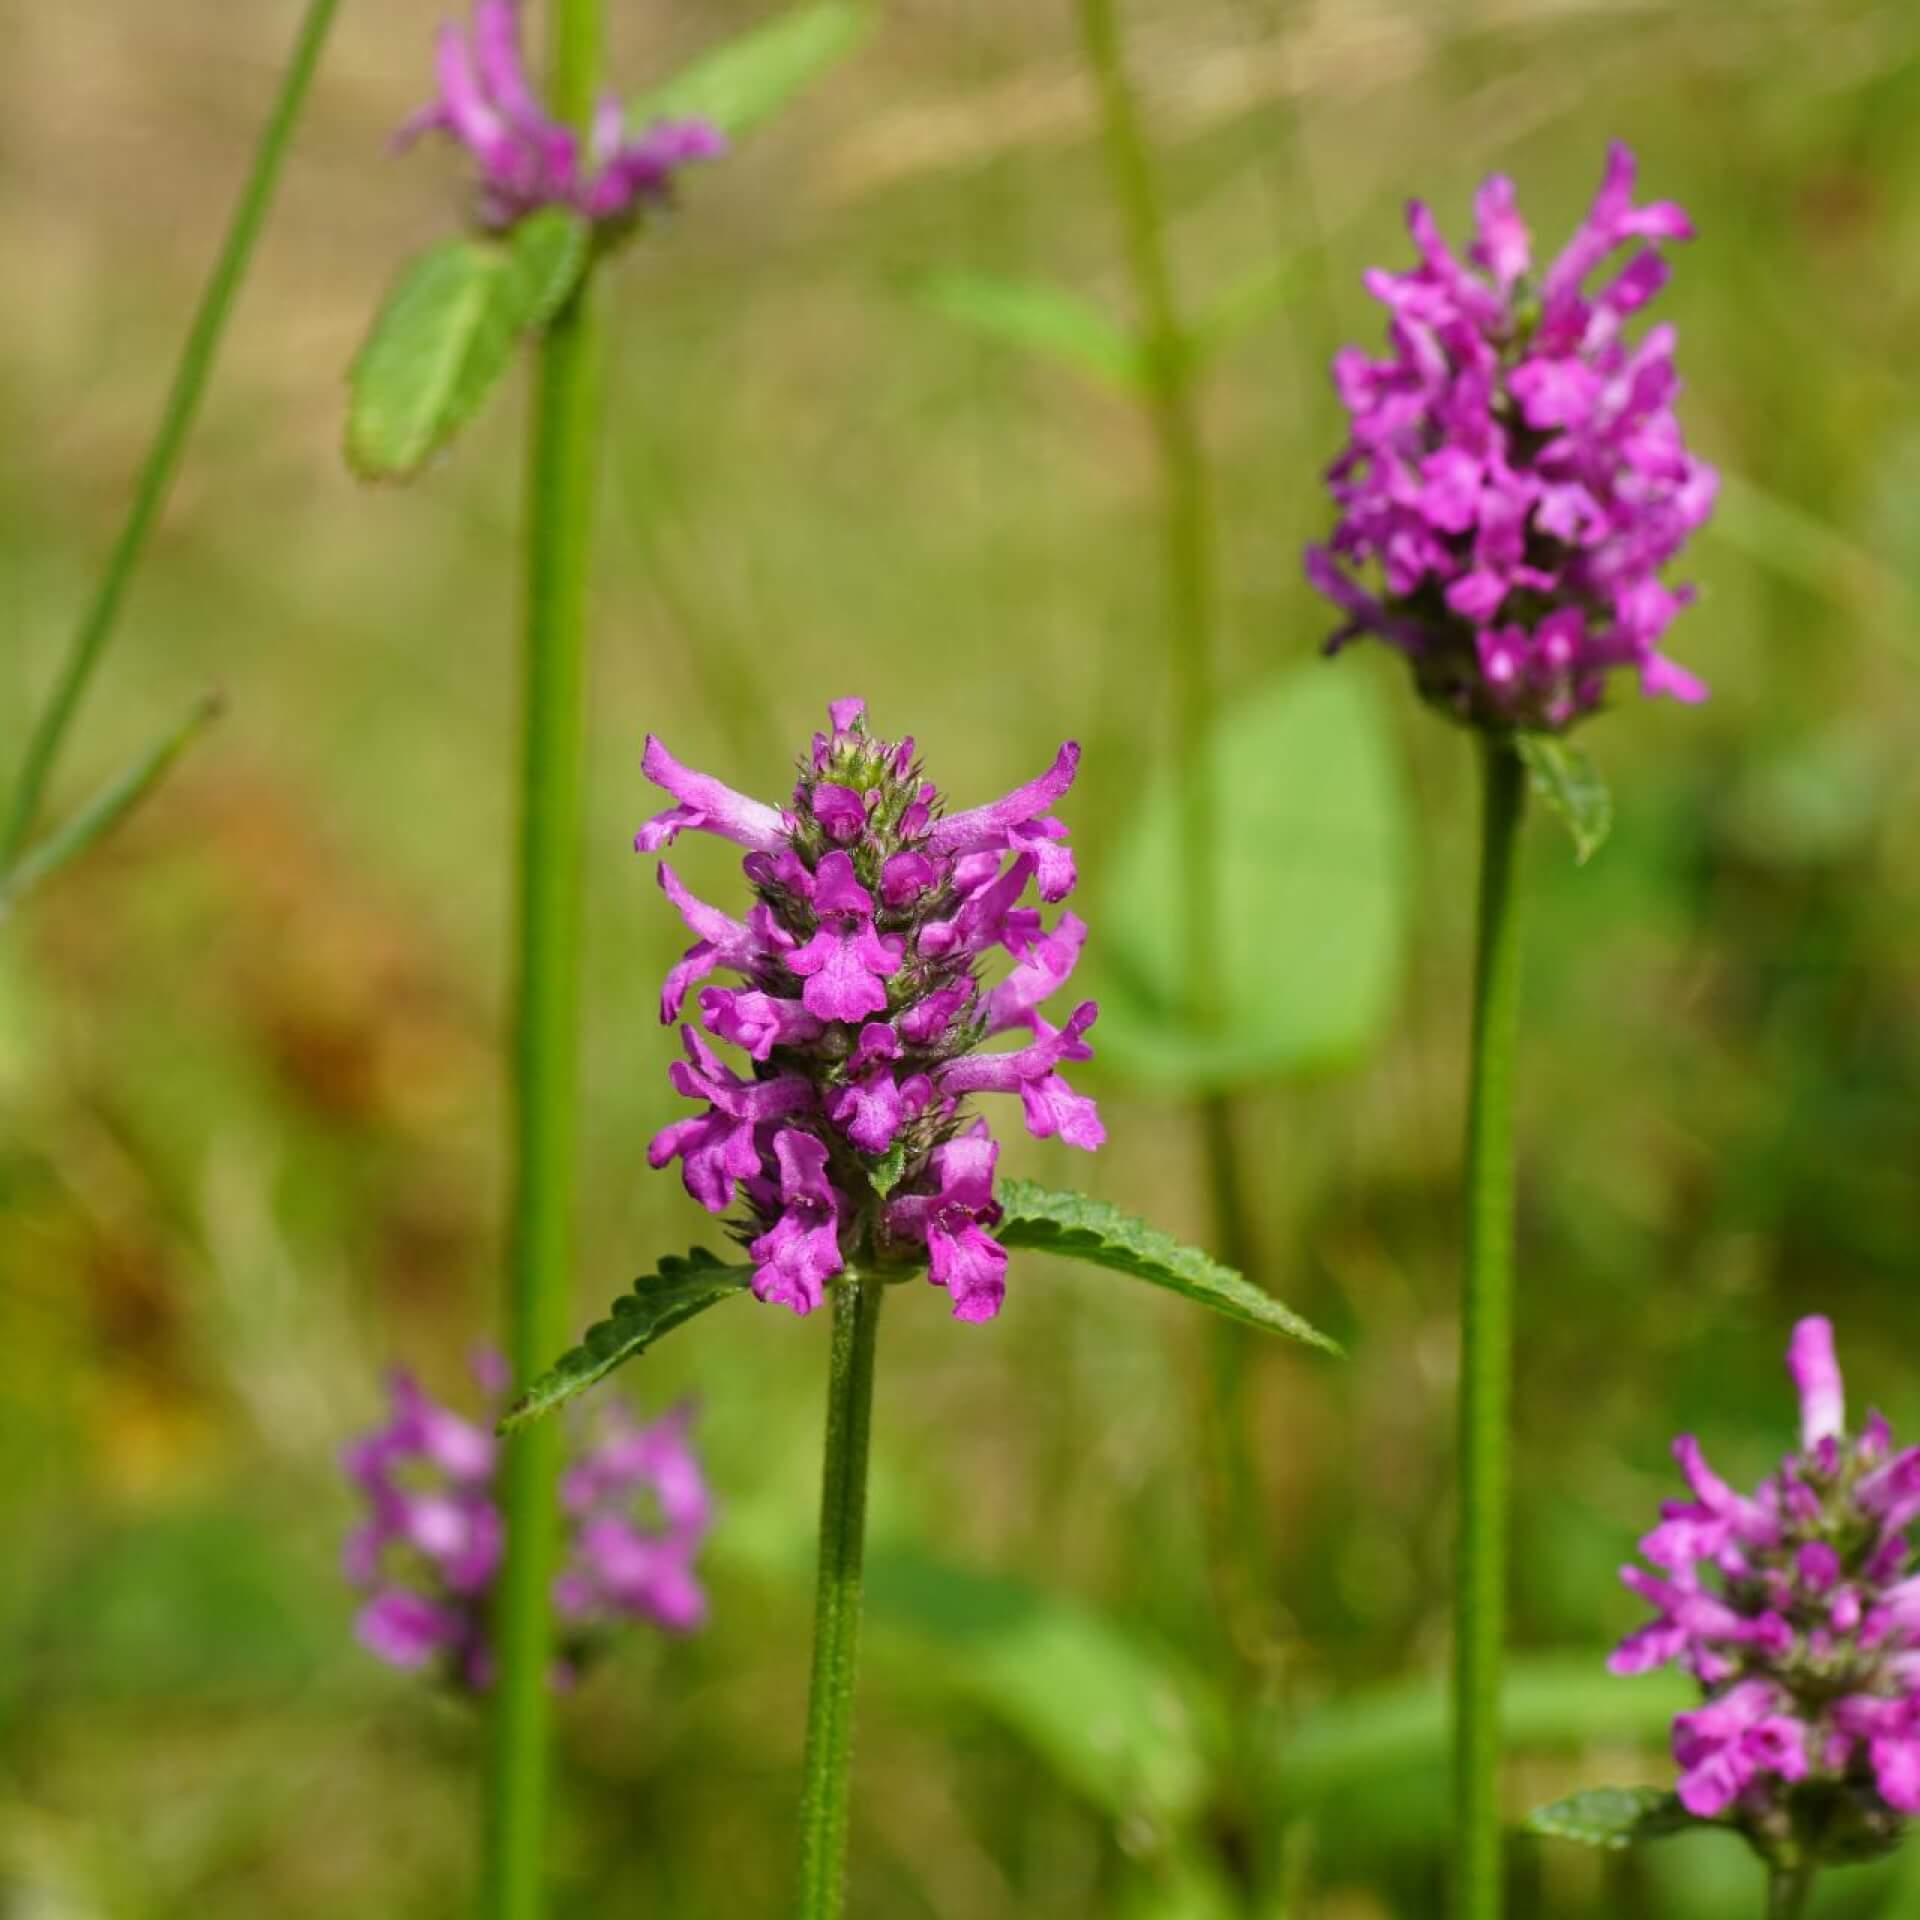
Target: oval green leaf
x=548, y=254
x=748, y=79
x=1038, y=318
x=1312, y=880
x=1612, y=1818
x=1571, y=785
x=1122, y=1722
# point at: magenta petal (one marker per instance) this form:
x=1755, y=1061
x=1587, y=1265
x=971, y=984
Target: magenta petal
x=840, y=811
x=405, y=1629
x=972, y=1266
x=982, y=826
x=705, y=804
x=1816, y=1377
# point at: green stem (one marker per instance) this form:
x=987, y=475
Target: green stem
x=1173, y=408
x=836, y=1620
x=1486, y=1351
x=1789, y=1892
x=561, y=477
x=1192, y=623
x=176, y=421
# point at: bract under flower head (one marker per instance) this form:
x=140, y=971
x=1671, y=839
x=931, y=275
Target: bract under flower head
x=1798, y=1611
x=430, y=1550
x=863, y=1009
x=1516, y=478
x=527, y=159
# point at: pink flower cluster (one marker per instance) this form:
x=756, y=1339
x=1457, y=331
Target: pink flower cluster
x=1516, y=476
x=862, y=1012
x=1798, y=1610
x=526, y=158
x=429, y=1551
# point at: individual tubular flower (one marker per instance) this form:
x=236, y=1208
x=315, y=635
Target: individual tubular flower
x=1516, y=479
x=431, y=1546
x=528, y=160
x=1798, y=1611
x=862, y=1011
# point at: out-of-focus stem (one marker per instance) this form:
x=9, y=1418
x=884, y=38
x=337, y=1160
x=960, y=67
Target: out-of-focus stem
x=1486, y=1350
x=1173, y=406
x=1789, y=1892
x=1192, y=620
x=170, y=436
x=560, y=511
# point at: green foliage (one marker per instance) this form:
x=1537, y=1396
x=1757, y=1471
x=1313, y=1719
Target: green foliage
x=1051, y=322
x=1788, y=541
x=1571, y=785
x=1401, y=1730
x=1056, y=324
x=657, y=1303
x=104, y=811
x=1612, y=1818
x=884, y=1176
x=446, y=336
x=547, y=254
x=1079, y=1228
x=1233, y=314
x=1313, y=895
x=750, y=78
x=1123, y=1724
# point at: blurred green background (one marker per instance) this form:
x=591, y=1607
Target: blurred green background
x=250, y=1110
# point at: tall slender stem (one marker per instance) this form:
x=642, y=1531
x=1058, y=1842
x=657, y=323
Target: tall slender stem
x=836, y=1622
x=1192, y=623
x=1789, y=1892
x=560, y=511
x=1173, y=407
x=176, y=420
x=1486, y=1350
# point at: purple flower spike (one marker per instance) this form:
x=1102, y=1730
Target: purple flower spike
x=527, y=160
x=875, y=912
x=1515, y=474
x=1798, y=1611
x=431, y=1547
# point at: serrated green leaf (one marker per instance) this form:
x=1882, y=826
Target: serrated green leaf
x=1080, y=1228
x=658, y=1303
x=1037, y=318
x=1568, y=781
x=745, y=80
x=884, y=1177
x=548, y=252
x=1612, y=1818
x=104, y=811
x=439, y=345
x=1312, y=891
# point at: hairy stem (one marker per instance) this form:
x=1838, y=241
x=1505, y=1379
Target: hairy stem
x=1789, y=1892
x=1486, y=1351
x=560, y=511
x=836, y=1623
x=176, y=421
